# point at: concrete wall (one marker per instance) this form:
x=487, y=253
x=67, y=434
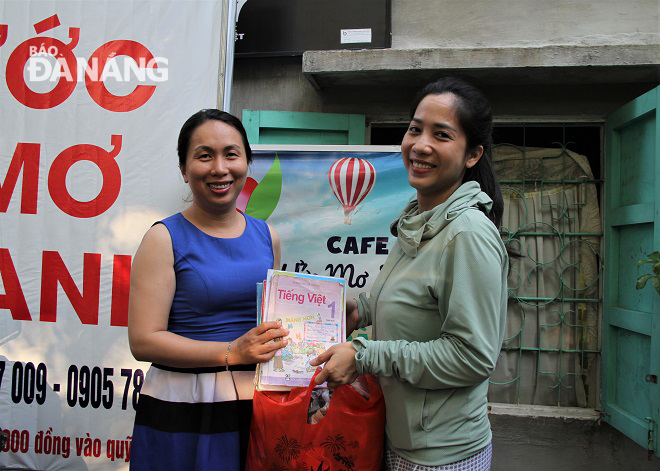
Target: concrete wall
x=556, y=444
x=279, y=84
x=506, y=23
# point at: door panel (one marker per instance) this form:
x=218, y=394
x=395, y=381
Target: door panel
x=631, y=317
x=637, y=175
x=633, y=239
x=287, y=127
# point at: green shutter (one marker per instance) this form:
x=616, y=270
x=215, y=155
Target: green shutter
x=288, y=127
x=631, y=317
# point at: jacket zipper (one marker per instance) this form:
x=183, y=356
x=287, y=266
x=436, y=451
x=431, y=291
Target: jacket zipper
x=377, y=295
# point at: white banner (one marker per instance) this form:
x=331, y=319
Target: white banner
x=92, y=96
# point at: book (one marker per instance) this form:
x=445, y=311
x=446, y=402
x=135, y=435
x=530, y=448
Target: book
x=313, y=308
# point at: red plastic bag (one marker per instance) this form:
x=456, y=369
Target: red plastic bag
x=348, y=438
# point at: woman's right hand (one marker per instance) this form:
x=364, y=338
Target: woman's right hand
x=259, y=344
x=352, y=315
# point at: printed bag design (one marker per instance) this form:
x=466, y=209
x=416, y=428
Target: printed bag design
x=349, y=437
x=288, y=449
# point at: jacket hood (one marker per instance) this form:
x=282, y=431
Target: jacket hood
x=411, y=228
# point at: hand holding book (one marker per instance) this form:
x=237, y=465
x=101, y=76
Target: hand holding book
x=259, y=344
x=351, y=315
x=312, y=309
x=339, y=365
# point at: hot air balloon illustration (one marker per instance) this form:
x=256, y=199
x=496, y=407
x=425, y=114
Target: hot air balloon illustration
x=351, y=180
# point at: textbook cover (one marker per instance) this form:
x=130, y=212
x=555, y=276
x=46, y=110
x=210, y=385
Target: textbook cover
x=312, y=307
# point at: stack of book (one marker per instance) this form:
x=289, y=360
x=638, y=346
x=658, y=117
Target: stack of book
x=313, y=308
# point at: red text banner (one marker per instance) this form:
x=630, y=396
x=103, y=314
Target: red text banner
x=92, y=97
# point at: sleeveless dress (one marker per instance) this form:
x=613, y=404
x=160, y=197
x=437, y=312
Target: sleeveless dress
x=192, y=419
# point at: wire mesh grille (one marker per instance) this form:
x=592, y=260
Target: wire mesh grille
x=552, y=220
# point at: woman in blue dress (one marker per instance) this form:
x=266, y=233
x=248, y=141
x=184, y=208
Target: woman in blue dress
x=192, y=310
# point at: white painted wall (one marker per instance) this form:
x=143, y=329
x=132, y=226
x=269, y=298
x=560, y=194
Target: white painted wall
x=278, y=83
x=522, y=23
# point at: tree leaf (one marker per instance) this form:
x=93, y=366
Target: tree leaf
x=656, y=268
x=656, y=283
x=266, y=195
x=641, y=281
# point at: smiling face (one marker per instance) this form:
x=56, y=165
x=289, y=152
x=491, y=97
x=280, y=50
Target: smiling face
x=216, y=166
x=434, y=151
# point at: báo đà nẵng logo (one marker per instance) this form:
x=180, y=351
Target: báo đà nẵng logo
x=40, y=61
x=46, y=66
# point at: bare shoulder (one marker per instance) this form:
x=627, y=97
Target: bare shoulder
x=273, y=234
x=156, y=246
x=157, y=233
x=275, y=238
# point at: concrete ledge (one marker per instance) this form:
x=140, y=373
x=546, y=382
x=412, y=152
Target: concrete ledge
x=515, y=410
x=599, y=64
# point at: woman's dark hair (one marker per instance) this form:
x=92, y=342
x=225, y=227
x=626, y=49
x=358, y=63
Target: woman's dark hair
x=200, y=118
x=475, y=117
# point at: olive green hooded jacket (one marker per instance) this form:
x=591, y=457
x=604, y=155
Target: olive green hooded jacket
x=437, y=310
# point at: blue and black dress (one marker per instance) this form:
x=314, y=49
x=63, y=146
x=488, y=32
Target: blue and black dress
x=192, y=419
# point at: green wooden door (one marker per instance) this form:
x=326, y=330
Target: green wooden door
x=631, y=317
x=287, y=127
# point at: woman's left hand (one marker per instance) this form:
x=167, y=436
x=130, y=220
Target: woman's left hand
x=339, y=366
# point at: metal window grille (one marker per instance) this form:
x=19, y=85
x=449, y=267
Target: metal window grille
x=552, y=219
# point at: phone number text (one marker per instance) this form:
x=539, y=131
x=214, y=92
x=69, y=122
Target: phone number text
x=85, y=387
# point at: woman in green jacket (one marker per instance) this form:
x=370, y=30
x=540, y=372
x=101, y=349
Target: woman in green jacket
x=438, y=306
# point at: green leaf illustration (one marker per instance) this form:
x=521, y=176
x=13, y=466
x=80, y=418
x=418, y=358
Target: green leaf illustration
x=266, y=195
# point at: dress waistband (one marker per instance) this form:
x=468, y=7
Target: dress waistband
x=208, y=369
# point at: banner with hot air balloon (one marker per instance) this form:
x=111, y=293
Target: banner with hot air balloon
x=332, y=206
x=351, y=180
